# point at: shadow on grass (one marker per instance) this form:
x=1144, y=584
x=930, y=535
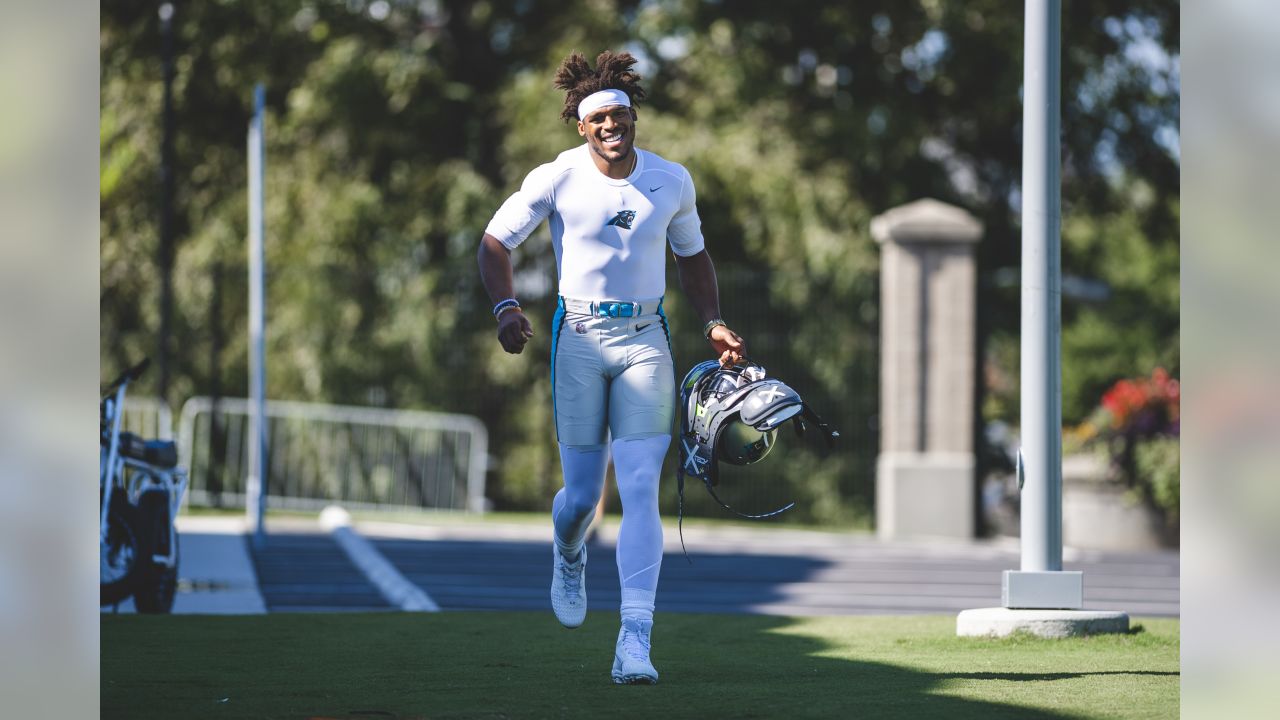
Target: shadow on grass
x=1024, y=677
x=524, y=665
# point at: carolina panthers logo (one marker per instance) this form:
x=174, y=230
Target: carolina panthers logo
x=623, y=219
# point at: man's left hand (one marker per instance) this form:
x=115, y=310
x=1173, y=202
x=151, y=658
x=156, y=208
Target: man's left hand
x=732, y=348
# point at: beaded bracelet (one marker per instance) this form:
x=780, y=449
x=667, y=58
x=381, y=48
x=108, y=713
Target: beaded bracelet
x=509, y=302
x=498, y=316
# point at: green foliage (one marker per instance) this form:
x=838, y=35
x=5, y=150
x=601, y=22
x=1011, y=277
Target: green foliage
x=391, y=141
x=1136, y=329
x=1137, y=427
x=1157, y=463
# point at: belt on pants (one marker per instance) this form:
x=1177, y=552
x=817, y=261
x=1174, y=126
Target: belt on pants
x=612, y=308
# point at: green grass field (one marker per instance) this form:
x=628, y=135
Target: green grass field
x=524, y=665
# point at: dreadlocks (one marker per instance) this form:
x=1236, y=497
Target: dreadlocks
x=578, y=80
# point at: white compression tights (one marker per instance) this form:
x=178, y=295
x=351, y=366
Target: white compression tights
x=575, y=504
x=637, y=463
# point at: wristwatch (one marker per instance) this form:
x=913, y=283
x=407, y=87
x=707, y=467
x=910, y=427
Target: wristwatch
x=712, y=325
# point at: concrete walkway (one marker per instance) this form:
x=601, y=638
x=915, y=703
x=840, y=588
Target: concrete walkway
x=737, y=569
x=760, y=570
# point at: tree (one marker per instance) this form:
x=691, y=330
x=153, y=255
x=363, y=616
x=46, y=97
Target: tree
x=395, y=129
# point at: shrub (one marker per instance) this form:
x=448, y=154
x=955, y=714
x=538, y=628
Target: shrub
x=1138, y=424
x=1156, y=462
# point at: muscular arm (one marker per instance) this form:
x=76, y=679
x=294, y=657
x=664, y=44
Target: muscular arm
x=698, y=280
x=494, y=259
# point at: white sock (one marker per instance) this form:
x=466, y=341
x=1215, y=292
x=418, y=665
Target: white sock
x=637, y=604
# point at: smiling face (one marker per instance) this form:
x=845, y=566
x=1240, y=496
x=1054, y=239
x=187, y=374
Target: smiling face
x=610, y=133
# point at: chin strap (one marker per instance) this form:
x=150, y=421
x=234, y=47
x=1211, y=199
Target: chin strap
x=812, y=416
x=680, y=512
x=709, y=482
x=725, y=505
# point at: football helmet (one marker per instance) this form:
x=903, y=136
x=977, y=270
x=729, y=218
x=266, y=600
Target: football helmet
x=732, y=414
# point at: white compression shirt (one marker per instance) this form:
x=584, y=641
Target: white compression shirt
x=608, y=234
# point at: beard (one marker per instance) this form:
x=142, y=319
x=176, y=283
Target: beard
x=617, y=154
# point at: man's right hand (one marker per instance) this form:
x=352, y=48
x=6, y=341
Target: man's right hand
x=514, y=331
x=731, y=347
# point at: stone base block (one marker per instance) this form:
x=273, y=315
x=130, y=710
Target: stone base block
x=1000, y=622
x=1042, y=590
x=924, y=495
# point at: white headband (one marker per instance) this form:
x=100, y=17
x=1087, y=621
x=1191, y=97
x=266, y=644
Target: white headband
x=604, y=98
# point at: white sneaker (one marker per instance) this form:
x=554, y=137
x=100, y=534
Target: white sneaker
x=631, y=664
x=569, y=588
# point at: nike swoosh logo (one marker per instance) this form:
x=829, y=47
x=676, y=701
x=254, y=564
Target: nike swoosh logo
x=655, y=189
x=641, y=327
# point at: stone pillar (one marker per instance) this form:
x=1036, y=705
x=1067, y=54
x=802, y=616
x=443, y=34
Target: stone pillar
x=925, y=471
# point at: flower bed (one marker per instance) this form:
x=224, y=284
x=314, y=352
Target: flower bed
x=1136, y=430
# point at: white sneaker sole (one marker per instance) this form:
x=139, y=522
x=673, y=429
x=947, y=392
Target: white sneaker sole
x=571, y=623
x=634, y=680
x=621, y=678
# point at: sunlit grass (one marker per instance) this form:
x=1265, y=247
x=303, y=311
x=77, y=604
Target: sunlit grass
x=502, y=664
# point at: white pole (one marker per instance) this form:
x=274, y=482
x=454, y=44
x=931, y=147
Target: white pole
x=1041, y=454
x=255, y=491
x=1041, y=584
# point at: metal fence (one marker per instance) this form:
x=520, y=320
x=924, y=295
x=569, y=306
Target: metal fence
x=318, y=454
x=148, y=417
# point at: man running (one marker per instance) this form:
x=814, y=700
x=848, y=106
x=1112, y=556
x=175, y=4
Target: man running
x=612, y=210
